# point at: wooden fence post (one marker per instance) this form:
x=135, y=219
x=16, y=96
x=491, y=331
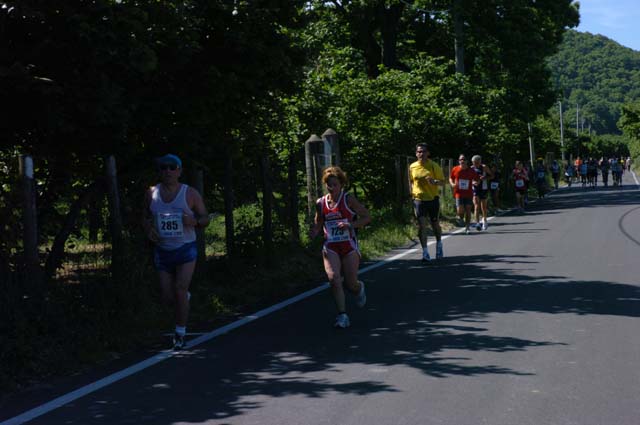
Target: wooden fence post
x=30, y=223
x=115, y=219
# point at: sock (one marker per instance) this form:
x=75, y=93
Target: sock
x=425, y=250
x=181, y=330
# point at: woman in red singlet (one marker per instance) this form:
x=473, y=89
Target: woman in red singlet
x=338, y=214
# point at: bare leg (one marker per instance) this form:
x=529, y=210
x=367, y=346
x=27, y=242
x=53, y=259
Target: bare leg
x=184, y=273
x=350, y=265
x=333, y=267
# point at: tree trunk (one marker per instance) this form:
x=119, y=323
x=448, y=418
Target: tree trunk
x=228, y=204
x=458, y=26
x=94, y=214
x=55, y=257
x=197, y=182
x=389, y=30
x=267, y=222
x=293, y=198
x=115, y=218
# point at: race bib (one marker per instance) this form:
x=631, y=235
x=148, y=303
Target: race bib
x=170, y=225
x=463, y=184
x=540, y=174
x=484, y=185
x=335, y=233
x=495, y=185
x=519, y=183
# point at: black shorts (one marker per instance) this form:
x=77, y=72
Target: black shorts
x=481, y=194
x=427, y=208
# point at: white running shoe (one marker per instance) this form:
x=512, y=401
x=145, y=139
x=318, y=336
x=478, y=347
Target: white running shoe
x=178, y=342
x=342, y=321
x=484, y=225
x=361, y=298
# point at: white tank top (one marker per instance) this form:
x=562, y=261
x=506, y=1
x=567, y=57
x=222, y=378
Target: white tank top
x=167, y=219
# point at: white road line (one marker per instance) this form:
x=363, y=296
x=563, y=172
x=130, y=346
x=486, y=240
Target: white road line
x=164, y=355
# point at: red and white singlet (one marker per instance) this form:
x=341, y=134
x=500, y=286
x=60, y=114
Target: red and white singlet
x=341, y=241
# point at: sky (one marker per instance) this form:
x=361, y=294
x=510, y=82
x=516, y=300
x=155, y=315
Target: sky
x=618, y=20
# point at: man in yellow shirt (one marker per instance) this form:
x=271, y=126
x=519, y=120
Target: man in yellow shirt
x=426, y=178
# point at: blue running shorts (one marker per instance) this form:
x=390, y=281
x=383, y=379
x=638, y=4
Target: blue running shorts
x=167, y=261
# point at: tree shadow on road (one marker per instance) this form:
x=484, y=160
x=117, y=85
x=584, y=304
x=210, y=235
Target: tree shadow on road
x=430, y=319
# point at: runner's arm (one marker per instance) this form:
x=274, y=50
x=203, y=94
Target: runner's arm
x=363, y=214
x=488, y=172
x=196, y=203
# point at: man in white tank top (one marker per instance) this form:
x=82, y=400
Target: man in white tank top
x=173, y=211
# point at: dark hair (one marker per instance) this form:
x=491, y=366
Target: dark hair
x=423, y=146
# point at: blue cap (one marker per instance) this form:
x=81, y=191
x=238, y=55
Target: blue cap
x=170, y=159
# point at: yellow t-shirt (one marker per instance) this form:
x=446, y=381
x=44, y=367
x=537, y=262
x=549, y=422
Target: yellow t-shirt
x=418, y=174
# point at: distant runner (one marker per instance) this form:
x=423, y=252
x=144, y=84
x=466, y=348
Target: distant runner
x=604, y=169
x=461, y=180
x=569, y=172
x=494, y=186
x=540, y=173
x=338, y=214
x=520, y=180
x=481, y=191
x=555, y=173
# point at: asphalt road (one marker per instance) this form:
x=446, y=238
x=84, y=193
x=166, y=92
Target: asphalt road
x=536, y=321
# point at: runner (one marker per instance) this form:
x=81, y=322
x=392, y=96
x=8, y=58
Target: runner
x=540, y=178
x=461, y=180
x=520, y=179
x=576, y=165
x=481, y=191
x=426, y=176
x=604, y=169
x=583, y=173
x=616, y=172
x=569, y=172
x=555, y=173
x=172, y=212
x=494, y=186
x=592, y=172
x=336, y=215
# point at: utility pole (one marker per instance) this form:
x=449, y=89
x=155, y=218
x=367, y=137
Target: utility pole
x=530, y=145
x=561, y=132
x=577, y=120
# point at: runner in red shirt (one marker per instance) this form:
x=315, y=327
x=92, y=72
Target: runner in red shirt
x=461, y=180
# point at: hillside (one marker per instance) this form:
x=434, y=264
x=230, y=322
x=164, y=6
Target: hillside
x=598, y=74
